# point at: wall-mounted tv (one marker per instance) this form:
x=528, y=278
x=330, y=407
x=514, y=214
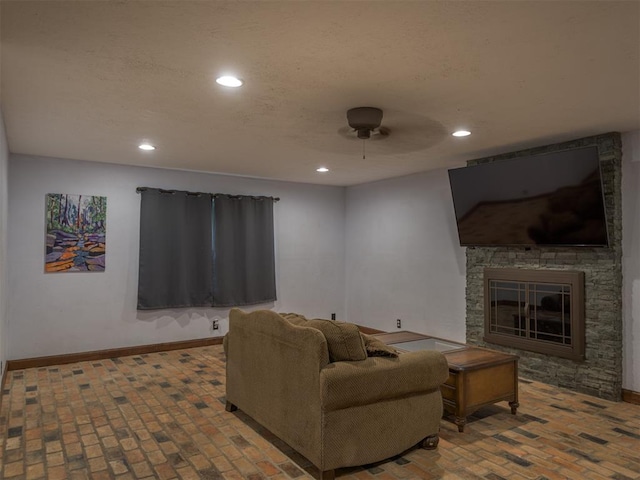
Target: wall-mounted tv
x=555, y=199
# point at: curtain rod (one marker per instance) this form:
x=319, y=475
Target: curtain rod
x=214, y=195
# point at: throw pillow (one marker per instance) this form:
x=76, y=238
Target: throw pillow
x=376, y=348
x=343, y=339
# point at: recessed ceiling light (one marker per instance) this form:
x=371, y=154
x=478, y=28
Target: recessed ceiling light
x=461, y=133
x=229, y=81
x=322, y=169
x=146, y=146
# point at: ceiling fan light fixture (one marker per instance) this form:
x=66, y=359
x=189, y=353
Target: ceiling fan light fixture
x=364, y=119
x=364, y=133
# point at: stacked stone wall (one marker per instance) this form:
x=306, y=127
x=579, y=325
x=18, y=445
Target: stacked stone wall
x=600, y=374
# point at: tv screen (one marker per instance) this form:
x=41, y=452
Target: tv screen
x=553, y=200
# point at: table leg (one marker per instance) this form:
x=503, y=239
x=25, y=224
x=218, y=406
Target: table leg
x=460, y=422
x=514, y=407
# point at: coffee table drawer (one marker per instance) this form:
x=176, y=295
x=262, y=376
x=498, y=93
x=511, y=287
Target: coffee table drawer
x=452, y=381
x=448, y=389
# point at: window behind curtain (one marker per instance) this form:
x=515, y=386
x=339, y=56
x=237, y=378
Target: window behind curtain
x=176, y=262
x=193, y=254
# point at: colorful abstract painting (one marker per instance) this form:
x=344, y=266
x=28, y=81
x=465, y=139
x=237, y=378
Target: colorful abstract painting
x=76, y=229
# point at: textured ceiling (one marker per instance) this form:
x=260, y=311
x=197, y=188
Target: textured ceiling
x=90, y=80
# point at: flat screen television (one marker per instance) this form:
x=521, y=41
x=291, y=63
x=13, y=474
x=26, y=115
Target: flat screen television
x=555, y=199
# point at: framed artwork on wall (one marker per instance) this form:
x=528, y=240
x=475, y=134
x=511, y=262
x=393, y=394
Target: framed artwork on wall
x=75, y=233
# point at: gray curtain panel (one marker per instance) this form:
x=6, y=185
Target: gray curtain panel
x=244, y=265
x=176, y=258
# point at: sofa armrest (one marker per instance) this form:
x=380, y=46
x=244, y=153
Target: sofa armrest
x=348, y=384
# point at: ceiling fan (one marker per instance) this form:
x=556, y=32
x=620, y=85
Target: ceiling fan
x=364, y=124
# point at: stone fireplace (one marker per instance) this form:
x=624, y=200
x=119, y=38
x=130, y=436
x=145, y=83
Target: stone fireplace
x=600, y=372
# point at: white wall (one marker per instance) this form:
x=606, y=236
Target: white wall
x=57, y=313
x=403, y=256
x=4, y=164
x=631, y=260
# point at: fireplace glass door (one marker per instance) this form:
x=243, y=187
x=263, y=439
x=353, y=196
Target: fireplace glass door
x=535, y=310
x=532, y=310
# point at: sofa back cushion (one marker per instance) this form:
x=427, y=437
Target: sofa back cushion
x=344, y=341
x=294, y=318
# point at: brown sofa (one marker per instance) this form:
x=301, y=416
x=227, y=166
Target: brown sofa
x=337, y=414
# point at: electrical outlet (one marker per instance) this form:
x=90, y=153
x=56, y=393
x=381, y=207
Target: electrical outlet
x=399, y=323
x=215, y=325
x=333, y=316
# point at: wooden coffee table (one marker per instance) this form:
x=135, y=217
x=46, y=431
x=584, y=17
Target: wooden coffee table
x=477, y=376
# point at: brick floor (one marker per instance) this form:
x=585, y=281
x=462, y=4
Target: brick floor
x=161, y=416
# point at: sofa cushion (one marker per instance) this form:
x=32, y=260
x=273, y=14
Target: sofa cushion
x=294, y=318
x=376, y=348
x=376, y=379
x=344, y=341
